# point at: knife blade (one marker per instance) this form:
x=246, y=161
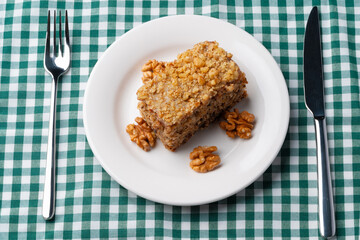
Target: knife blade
x=313, y=68
x=314, y=100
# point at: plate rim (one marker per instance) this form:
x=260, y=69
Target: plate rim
x=192, y=203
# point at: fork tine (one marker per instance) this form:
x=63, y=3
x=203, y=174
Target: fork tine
x=54, y=33
x=67, y=38
x=67, y=29
x=60, y=35
x=47, y=43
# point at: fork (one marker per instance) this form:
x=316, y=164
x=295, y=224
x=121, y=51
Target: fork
x=56, y=63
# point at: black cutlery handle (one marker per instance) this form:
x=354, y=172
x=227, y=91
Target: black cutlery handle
x=325, y=195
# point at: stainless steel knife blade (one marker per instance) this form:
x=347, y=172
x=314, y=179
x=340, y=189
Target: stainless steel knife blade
x=314, y=100
x=313, y=68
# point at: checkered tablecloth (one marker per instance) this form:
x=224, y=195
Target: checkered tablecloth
x=281, y=204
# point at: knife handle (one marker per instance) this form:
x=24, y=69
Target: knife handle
x=325, y=196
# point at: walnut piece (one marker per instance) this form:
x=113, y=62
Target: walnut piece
x=238, y=124
x=203, y=159
x=141, y=134
x=150, y=69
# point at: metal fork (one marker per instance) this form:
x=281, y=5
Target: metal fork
x=56, y=62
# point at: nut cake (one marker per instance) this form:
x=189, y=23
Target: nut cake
x=180, y=97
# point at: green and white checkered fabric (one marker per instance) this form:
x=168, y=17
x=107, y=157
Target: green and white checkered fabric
x=281, y=204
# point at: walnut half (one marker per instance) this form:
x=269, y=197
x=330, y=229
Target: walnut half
x=203, y=159
x=238, y=124
x=141, y=134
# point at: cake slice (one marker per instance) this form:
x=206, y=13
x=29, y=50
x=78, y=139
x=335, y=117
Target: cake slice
x=178, y=98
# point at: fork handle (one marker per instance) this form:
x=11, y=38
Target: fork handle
x=48, y=210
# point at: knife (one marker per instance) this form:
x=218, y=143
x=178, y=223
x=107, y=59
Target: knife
x=314, y=100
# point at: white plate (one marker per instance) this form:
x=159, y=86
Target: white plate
x=163, y=176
